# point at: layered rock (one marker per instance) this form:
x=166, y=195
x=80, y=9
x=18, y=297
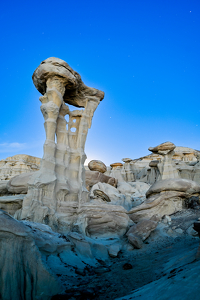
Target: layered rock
x=18, y=164
x=165, y=197
x=23, y=274
x=165, y=165
x=97, y=165
x=93, y=177
x=58, y=189
x=141, y=231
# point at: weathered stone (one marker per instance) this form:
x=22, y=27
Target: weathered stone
x=135, y=240
x=153, y=163
x=179, y=185
x=142, y=229
x=167, y=146
x=3, y=187
x=57, y=190
x=18, y=164
x=103, y=219
x=75, y=92
x=114, y=249
x=102, y=195
x=19, y=184
x=23, y=272
x=116, y=165
x=97, y=165
x=165, y=197
x=127, y=160
x=93, y=177
x=11, y=204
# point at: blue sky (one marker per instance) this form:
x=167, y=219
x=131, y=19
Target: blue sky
x=143, y=54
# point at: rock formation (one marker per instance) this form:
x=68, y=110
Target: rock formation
x=58, y=190
x=165, y=165
x=18, y=164
x=23, y=274
x=165, y=197
x=97, y=165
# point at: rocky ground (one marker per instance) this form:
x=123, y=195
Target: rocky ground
x=168, y=251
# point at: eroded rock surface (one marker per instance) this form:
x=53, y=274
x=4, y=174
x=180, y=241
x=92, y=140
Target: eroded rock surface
x=165, y=197
x=23, y=273
x=58, y=189
x=97, y=165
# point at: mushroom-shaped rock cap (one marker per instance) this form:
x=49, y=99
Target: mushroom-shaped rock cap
x=97, y=165
x=116, y=165
x=76, y=92
x=127, y=160
x=153, y=163
x=167, y=146
x=178, y=184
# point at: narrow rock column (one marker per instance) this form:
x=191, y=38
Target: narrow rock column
x=166, y=166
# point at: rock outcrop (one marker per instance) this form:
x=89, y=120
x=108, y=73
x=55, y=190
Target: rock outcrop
x=97, y=165
x=18, y=164
x=165, y=165
x=93, y=177
x=58, y=189
x=23, y=274
x=165, y=197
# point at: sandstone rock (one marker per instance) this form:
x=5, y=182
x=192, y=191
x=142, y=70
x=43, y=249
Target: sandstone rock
x=23, y=272
x=114, y=249
x=3, y=187
x=93, y=177
x=103, y=220
x=142, y=229
x=127, y=160
x=75, y=91
x=165, y=198
x=102, y=195
x=166, y=165
x=153, y=163
x=19, y=184
x=11, y=204
x=113, y=194
x=18, y=164
x=97, y=165
x=179, y=185
x=135, y=240
x=57, y=190
x=116, y=165
x=167, y=146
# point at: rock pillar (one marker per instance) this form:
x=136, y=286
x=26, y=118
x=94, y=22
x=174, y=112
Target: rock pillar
x=57, y=191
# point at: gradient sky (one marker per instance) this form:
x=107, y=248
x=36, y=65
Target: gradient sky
x=143, y=54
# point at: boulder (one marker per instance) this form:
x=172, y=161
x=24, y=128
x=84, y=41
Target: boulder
x=179, y=185
x=167, y=146
x=143, y=229
x=93, y=177
x=103, y=220
x=135, y=240
x=76, y=92
x=97, y=165
x=19, y=183
x=165, y=198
